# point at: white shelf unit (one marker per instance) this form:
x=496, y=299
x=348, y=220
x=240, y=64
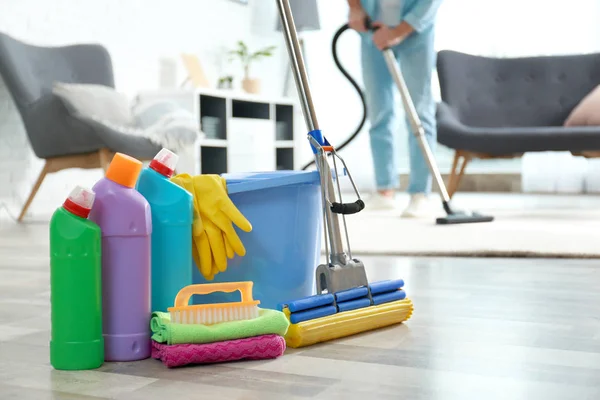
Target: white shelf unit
x=244, y=132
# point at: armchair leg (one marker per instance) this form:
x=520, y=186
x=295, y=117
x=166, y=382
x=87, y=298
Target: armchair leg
x=456, y=174
x=34, y=191
x=97, y=159
x=104, y=156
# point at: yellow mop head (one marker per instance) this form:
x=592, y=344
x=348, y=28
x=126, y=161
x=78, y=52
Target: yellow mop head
x=327, y=317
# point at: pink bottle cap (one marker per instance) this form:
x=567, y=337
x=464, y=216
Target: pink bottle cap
x=164, y=162
x=80, y=201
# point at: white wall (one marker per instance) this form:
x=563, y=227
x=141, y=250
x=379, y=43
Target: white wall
x=137, y=33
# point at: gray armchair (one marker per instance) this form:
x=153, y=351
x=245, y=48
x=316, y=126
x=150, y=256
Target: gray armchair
x=505, y=107
x=56, y=135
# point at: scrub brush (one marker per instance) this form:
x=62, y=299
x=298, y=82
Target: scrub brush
x=209, y=314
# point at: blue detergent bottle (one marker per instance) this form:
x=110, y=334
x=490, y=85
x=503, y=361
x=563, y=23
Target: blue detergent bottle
x=172, y=217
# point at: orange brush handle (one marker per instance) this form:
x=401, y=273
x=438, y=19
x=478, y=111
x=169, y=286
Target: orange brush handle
x=183, y=297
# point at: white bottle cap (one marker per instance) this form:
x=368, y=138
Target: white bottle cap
x=164, y=162
x=80, y=201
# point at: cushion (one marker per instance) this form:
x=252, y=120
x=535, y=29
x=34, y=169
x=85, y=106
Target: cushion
x=167, y=123
x=95, y=101
x=587, y=112
x=163, y=122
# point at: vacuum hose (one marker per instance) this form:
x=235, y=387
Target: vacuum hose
x=336, y=37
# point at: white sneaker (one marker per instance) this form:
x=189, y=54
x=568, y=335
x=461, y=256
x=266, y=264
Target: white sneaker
x=419, y=206
x=378, y=202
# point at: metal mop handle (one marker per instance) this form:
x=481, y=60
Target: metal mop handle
x=297, y=63
x=331, y=208
x=414, y=120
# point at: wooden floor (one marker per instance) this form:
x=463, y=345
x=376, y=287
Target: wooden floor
x=482, y=329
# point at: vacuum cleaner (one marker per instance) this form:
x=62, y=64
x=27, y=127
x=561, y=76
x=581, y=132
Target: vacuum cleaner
x=346, y=302
x=452, y=216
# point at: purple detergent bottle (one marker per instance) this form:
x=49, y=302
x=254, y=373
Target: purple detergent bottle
x=124, y=217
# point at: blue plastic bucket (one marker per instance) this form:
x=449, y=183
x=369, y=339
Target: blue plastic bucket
x=283, y=249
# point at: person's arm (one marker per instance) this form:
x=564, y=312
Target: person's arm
x=422, y=15
x=354, y=4
x=357, y=16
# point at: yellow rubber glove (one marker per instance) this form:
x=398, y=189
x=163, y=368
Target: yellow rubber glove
x=228, y=248
x=201, y=251
x=217, y=208
x=217, y=212
x=217, y=243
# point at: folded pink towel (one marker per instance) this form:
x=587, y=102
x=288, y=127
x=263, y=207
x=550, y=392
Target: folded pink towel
x=252, y=348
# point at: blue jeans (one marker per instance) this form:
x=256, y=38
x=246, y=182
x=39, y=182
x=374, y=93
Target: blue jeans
x=416, y=57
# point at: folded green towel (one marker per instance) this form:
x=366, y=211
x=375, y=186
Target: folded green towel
x=268, y=322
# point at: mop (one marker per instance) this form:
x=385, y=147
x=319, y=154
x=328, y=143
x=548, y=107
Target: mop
x=452, y=216
x=345, y=302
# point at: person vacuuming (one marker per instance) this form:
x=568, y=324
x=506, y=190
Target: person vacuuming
x=404, y=36
x=407, y=27
x=419, y=132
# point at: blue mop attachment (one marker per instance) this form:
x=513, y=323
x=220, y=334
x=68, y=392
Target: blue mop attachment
x=322, y=305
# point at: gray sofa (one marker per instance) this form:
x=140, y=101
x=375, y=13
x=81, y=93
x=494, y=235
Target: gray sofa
x=505, y=107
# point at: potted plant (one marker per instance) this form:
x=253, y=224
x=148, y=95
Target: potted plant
x=225, y=82
x=246, y=57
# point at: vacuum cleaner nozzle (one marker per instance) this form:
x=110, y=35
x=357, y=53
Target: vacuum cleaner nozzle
x=461, y=217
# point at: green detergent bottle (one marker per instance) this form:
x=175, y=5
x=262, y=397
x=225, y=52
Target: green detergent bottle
x=76, y=341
